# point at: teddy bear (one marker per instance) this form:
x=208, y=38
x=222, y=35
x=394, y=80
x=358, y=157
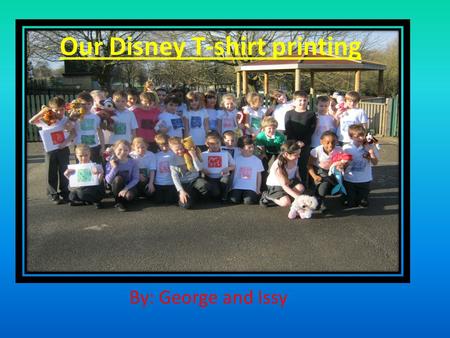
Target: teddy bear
x=339, y=162
x=76, y=110
x=303, y=207
x=188, y=144
x=106, y=111
x=49, y=117
x=371, y=140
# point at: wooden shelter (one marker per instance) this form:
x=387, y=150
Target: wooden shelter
x=330, y=64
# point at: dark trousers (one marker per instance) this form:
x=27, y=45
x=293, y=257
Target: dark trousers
x=219, y=187
x=92, y=194
x=324, y=187
x=195, y=189
x=243, y=196
x=302, y=164
x=117, y=185
x=165, y=194
x=142, y=189
x=56, y=162
x=356, y=192
x=96, y=157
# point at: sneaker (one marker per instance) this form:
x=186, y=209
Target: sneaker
x=98, y=205
x=121, y=207
x=75, y=203
x=56, y=200
x=263, y=200
x=364, y=203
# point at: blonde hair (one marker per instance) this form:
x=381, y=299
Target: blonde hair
x=97, y=93
x=269, y=121
x=252, y=97
x=138, y=140
x=174, y=140
x=197, y=96
x=119, y=142
x=150, y=96
x=161, y=138
x=82, y=148
x=226, y=97
x=353, y=96
x=148, y=85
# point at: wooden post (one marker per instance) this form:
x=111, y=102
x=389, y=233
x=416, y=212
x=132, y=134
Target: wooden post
x=380, y=83
x=266, y=83
x=244, y=82
x=238, y=84
x=311, y=89
x=297, y=79
x=357, y=80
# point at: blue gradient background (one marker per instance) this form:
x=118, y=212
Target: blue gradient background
x=319, y=310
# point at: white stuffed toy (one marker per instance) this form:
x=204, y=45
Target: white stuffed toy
x=303, y=206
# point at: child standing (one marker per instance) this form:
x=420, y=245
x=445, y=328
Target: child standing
x=218, y=165
x=282, y=106
x=300, y=125
x=254, y=113
x=132, y=99
x=283, y=182
x=165, y=189
x=147, y=114
x=170, y=123
x=196, y=119
x=320, y=161
x=229, y=141
x=211, y=109
x=54, y=124
x=187, y=182
x=90, y=194
x=88, y=129
x=125, y=123
x=358, y=174
x=325, y=121
x=247, y=175
x=122, y=173
x=147, y=165
x=162, y=94
x=227, y=116
x=352, y=115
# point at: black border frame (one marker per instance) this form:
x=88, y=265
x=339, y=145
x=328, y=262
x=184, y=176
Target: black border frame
x=221, y=277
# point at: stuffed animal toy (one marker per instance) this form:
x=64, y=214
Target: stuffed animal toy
x=370, y=139
x=188, y=144
x=108, y=154
x=106, y=111
x=339, y=162
x=50, y=117
x=242, y=118
x=76, y=110
x=303, y=207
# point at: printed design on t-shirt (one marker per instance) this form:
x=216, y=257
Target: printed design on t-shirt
x=214, y=161
x=125, y=174
x=227, y=123
x=213, y=124
x=255, y=122
x=196, y=122
x=120, y=128
x=143, y=171
x=88, y=139
x=147, y=124
x=245, y=173
x=87, y=124
x=164, y=167
x=84, y=175
x=57, y=137
x=176, y=123
x=359, y=163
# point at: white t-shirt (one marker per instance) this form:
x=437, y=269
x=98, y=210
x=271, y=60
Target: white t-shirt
x=145, y=163
x=246, y=173
x=280, y=112
x=215, y=162
x=255, y=118
x=54, y=134
x=360, y=169
x=351, y=116
x=323, y=160
x=273, y=180
x=235, y=151
x=324, y=123
x=163, y=175
x=171, y=121
x=124, y=123
x=212, y=118
x=86, y=130
x=196, y=120
x=228, y=120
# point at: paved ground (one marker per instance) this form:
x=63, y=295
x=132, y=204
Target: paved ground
x=213, y=237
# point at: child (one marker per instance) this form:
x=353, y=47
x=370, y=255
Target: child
x=269, y=140
x=300, y=125
x=170, y=123
x=358, y=174
x=125, y=123
x=88, y=129
x=132, y=99
x=282, y=106
x=165, y=189
x=57, y=159
x=229, y=141
x=332, y=107
x=90, y=194
x=181, y=107
x=283, y=182
x=254, y=113
x=247, y=175
x=188, y=183
x=325, y=122
x=352, y=115
x=319, y=164
x=227, y=116
x=147, y=165
x=147, y=114
x=196, y=119
x=162, y=94
x=211, y=109
x=122, y=173
x=217, y=167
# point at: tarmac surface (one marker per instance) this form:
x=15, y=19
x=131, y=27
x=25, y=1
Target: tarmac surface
x=213, y=237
